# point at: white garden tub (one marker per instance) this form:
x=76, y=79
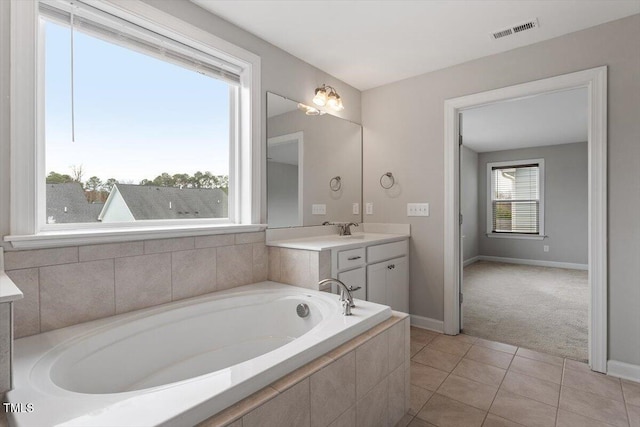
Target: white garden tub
x=179, y=363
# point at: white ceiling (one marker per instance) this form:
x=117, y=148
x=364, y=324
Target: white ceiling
x=372, y=43
x=548, y=119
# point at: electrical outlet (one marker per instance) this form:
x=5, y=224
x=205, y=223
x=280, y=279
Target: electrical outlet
x=417, y=209
x=545, y=248
x=319, y=209
x=356, y=208
x=369, y=208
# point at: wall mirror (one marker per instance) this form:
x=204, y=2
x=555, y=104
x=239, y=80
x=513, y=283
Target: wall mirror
x=314, y=166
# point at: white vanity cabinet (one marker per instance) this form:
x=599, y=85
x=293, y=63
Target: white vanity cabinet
x=381, y=270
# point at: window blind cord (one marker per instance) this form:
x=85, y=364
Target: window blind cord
x=73, y=110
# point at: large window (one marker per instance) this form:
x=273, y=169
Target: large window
x=137, y=126
x=515, y=198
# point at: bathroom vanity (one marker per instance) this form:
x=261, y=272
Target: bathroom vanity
x=376, y=261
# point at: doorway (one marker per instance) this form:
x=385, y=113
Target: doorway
x=594, y=81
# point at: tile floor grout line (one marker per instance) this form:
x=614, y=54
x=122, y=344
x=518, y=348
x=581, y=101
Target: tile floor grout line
x=564, y=367
x=500, y=386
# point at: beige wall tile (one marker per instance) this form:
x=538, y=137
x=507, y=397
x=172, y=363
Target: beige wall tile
x=407, y=339
x=437, y=359
x=372, y=363
x=300, y=374
x=290, y=408
x=254, y=237
x=314, y=267
x=294, y=267
x=193, y=273
x=373, y=409
x=110, y=250
x=260, y=262
x=489, y=356
x=347, y=419
x=215, y=241
x=531, y=387
x=76, y=293
x=26, y=311
x=142, y=281
x=396, y=345
x=537, y=369
x=396, y=395
x=274, y=264
x=168, y=245
x=234, y=266
x=426, y=377
x=333, y=390
x=325, y=265
x=442, y=411
x=468, y=391
x=479, y=372
x=14, y=260
x=5, y=347
x=407, y=387
x=523, y=410
x=235, y=412
x=593, y=406
x=594, y=382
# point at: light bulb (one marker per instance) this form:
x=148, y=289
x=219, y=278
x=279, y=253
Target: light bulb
x=321, y=97
x=339, y=106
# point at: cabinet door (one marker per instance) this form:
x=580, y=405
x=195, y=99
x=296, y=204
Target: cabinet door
x=377, y=282
x=398, y=284
x=355, y=278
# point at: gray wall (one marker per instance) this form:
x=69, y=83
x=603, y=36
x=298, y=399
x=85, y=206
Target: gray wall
x=282, y=203
x=331, y=147
x=469, y=202
x=404, y=133
x=282, y=73
x=566, y=194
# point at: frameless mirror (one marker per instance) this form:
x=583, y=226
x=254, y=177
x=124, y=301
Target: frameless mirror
x=314, y=166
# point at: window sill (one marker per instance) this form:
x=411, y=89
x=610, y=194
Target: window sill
x=49, y=239
x=515, y=236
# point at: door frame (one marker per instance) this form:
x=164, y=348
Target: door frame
x=595, y=81
x=285, y=139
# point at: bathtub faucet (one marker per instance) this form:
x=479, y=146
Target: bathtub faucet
x=345, y=294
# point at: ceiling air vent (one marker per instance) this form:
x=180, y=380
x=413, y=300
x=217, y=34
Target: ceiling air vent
x=523, y=26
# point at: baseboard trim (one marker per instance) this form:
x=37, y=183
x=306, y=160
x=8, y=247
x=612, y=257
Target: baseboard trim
x=427, y=323
x=539, y=263
x=468, y=262
x=624, y=370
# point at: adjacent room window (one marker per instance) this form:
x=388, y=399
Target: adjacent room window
x=515, y=198
x=136, y=126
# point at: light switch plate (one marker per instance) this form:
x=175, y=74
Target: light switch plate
x=417, y=209
x=369, y=208
x=356, y=208
x=319, y=209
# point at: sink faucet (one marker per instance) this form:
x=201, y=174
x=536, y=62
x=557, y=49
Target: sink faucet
x=345, y=294
x=345, y=229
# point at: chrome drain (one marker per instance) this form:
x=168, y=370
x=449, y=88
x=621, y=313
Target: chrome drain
x=302, y=309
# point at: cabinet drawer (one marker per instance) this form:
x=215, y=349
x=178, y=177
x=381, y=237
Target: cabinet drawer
x=350, y=258
x=387, y=251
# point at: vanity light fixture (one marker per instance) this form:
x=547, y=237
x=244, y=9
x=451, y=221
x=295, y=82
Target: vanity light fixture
x=327, y=95
x=309, y=111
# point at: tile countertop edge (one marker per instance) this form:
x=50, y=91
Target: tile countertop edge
x=8, y=290
x=321, y=243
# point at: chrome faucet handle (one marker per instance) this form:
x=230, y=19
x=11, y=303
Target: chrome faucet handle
x=345, y=293
x=351, y=289
x=346, y=308
x=346, y=228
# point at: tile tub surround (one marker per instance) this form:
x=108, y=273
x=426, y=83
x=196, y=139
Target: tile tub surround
x=70, y=285
x=468, y=381
x=299, y=267
x=364, y=382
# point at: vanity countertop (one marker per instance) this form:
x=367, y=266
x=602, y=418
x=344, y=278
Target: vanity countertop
x=321, y=243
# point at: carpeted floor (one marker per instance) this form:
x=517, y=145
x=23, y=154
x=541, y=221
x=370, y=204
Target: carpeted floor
x=539, y=308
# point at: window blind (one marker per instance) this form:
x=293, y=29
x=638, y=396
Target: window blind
x=110, y=28
x=516, y=199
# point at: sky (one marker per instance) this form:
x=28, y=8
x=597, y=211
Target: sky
x=135, y=116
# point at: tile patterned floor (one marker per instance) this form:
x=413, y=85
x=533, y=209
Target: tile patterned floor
x=466, y=381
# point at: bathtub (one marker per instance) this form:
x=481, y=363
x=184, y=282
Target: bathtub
x=179, y=363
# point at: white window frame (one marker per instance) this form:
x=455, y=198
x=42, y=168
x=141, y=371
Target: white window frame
x=27, y=189
x=490, y=187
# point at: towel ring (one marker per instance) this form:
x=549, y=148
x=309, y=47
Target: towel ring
x=335, y=184
x=391, y=179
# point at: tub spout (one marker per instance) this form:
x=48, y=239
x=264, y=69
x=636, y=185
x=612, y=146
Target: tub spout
x=345, y=295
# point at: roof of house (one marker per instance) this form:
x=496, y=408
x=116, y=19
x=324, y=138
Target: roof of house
x=151, y=202
x=66, y=203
